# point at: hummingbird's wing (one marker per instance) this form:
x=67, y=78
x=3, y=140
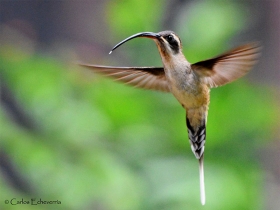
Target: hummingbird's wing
x=143, y=77
x=228, y=66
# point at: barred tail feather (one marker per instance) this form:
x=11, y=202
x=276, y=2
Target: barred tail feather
x=201, y=180
x=197, y=138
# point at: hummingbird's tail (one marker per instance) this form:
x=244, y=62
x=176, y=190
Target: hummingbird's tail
x=197, y=136
x=201, y=180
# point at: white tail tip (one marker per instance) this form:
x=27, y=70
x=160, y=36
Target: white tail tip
x=201, y=178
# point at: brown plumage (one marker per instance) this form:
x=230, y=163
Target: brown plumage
x=152, y=78
x=189, y=83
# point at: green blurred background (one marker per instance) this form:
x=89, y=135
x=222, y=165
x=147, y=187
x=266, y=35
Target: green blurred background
x=67, y=134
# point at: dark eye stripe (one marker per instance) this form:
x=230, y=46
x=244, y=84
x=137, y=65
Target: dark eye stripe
x=172, y=43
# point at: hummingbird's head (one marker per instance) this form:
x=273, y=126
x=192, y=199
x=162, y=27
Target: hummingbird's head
x=168, y=43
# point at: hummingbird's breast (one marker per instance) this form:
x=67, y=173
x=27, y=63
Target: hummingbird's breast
x=188, y=89
x=185, y=85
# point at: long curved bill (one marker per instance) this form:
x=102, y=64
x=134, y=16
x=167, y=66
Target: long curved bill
x=150, y=35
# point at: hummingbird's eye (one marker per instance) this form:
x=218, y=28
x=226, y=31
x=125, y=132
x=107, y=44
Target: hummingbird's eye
x=173, y=42
x=170, y=38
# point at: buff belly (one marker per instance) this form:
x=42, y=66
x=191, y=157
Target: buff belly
x=195, y=101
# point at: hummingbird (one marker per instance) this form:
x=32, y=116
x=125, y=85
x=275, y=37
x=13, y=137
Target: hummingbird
x=189, y=83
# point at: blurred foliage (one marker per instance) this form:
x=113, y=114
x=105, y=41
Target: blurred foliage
x=134, y=15
x=97, y=144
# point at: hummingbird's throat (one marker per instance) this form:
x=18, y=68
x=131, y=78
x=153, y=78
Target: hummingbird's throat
x=165, y=55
